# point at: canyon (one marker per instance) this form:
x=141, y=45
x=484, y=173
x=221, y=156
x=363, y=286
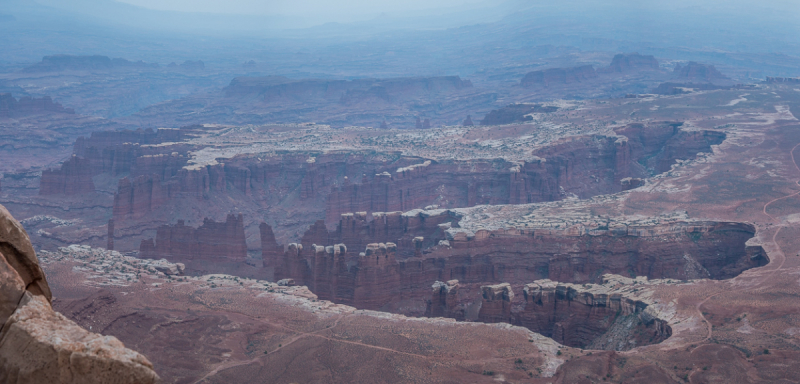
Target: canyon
x=154, y=169
x=583, y=216
x=396, y=275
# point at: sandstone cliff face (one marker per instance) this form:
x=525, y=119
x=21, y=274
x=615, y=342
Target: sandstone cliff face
x=271, y=251
x=576, y=254
x=589, y=316
x=114, y=154
x=595, y=316
x=444, y=301
x=211, y=242
x=585, y=166
x=496, y=305
x=343, y=182
x=38, y=345
x=410, y=231
x=447, y=184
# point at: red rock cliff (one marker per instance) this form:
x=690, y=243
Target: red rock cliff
x=212, y=242
x=678, y=251
x=589, y=316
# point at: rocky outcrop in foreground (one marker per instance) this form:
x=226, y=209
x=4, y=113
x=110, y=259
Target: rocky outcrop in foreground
x=39, y=345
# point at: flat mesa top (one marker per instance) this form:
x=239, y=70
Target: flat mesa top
x=514, y=142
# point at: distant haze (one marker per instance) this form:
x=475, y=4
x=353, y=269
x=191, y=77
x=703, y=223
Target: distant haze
x=332, y=8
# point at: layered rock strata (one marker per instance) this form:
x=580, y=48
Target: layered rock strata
x=444, y=301
x=680, y=250
x=39, y=345
x=402, y=228
x=156, y=168
x=590, y=316
x=585, y=316
x=585, y=166
x=496, y=305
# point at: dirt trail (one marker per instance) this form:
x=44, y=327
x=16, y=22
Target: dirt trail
x=778, y=256
x=299, y=335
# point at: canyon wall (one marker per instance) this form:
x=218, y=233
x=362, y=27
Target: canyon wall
x=584, y=316
x=211, y=242
x=591, y=317
x=153, y=168
x=74, y=177
x=585, y=166
x=115, y=153
x=39, y=345
x=576, y=254
x=411, y=231
x=496, y=303
x=444, y=301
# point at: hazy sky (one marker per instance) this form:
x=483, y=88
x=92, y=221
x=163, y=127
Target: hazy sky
x=297, y=7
